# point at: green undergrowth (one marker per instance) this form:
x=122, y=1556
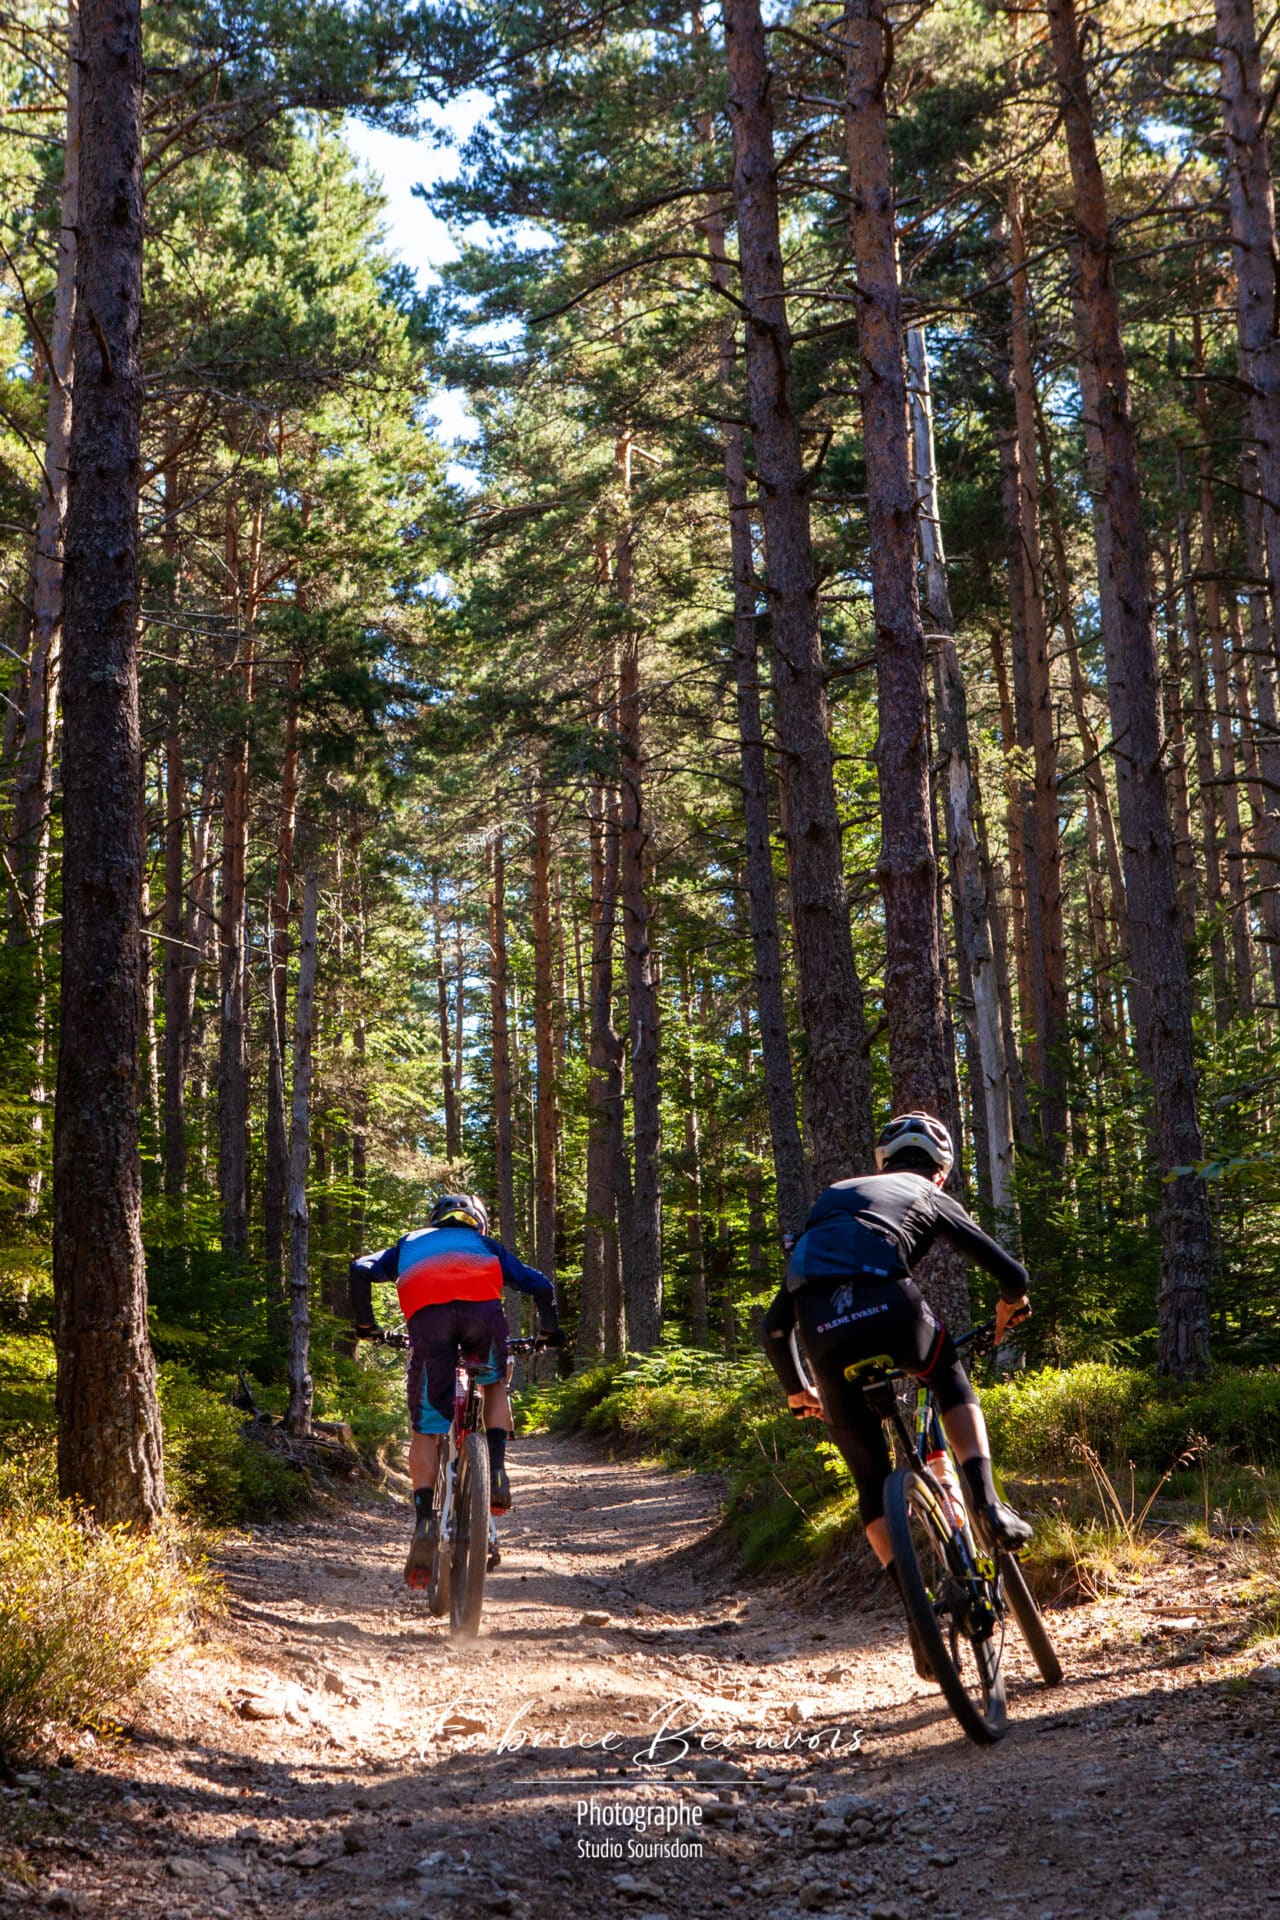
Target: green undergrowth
x=790, y=1499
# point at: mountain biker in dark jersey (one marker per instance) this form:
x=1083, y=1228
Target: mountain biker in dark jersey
x=449, y=1278
x=849, y=1294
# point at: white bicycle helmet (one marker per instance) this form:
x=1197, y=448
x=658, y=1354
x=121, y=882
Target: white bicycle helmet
x=919, y=1131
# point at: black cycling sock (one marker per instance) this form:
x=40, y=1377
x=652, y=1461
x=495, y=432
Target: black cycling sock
x=497, y=1438
x=424, y=1502
x=977, y=1475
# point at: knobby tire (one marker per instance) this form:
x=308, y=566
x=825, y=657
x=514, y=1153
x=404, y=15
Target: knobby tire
x=906, y=1493
x=440, y=1582
x=1023, y=1607
x=470, y=1538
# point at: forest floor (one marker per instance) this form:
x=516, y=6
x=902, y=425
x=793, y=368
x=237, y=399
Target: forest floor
x=326, y=1751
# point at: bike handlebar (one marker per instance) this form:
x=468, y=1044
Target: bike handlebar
x=394, y=1337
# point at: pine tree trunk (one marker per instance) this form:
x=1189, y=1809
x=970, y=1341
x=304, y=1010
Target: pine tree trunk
x=601, y=1267
x=276, y=1173
x=1268, y=722
x=1034, y=701
x=1133, y=681
x=790, y=1172
x=1176, y=720
x=969, y=893
x=1207, y=789
x=452, y=1134
x=233, y=1037
x=643, y=1269
x=109, y=1449
x=298, y=1416
x=1223, y=703
x=1253, y=240
x=919, y=1062
x=836, y=1075
x=693, y=1168
x=499, y=987
x=544, y=1040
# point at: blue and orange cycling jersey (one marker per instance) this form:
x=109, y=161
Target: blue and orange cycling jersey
x=434, y=1265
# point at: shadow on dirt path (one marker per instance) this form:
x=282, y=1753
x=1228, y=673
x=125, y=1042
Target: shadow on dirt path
x=328, y=1752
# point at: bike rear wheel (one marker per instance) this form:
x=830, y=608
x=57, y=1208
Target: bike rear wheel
x=1022, y=1606
x=937, y=1587
x=470, y=1538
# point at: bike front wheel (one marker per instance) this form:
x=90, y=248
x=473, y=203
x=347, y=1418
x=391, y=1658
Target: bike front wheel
x=948, y=1604
x=470, y=1538
x=439, y=1584
x=1030, y=1621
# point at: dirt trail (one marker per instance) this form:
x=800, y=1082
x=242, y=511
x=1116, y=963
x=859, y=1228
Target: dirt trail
x=328, y=1752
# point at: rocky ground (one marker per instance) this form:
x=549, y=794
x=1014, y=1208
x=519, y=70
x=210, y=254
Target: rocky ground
x=326, y=1751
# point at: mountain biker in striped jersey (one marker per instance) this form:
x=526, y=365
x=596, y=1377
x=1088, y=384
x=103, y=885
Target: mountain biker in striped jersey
x=449, y=1278
x=849, y=1295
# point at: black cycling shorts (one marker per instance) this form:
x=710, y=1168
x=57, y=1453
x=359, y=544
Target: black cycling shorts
x=440, y=1335
x=841, y=1321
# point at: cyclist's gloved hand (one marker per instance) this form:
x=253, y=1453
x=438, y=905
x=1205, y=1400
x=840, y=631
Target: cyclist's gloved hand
x=552, y=1336
x=1010, y=1313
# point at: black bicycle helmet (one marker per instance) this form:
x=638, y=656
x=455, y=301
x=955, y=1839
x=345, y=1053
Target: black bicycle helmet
x=460, y=1210
x=922, y=1134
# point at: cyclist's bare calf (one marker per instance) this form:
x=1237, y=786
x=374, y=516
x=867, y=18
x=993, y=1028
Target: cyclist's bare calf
x=424, y=1448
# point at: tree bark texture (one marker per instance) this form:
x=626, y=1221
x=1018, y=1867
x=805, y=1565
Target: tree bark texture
x=836, y=1070
x=643, y=1270
x=452, y=1131
x=298, y=1416
x=919, y=1055
x=1133, y=681
x=109, y=1449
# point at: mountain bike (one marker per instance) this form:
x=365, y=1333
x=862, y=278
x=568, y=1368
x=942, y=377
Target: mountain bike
x=958, y=1595
x=466, y=1544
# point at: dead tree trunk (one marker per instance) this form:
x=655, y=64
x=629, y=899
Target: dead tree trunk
x=836, y=1074
x=693, y=1167
x=1133, y=681
x=790, y=1172
x=504, y=1163
x=1034, y=691
x=969, y=893
x=546, y=1121
x=109, y=1449
x=298, y=1417
x=276, y=1173
x=452, y=1131
x=919, y=1059
x=602, y=1307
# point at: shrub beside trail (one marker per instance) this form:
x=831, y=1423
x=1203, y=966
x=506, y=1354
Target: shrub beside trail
x=789, y=1499
x=84, y=1613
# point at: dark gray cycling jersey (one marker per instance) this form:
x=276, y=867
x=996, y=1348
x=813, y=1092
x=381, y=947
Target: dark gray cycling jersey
x=880, y=1224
